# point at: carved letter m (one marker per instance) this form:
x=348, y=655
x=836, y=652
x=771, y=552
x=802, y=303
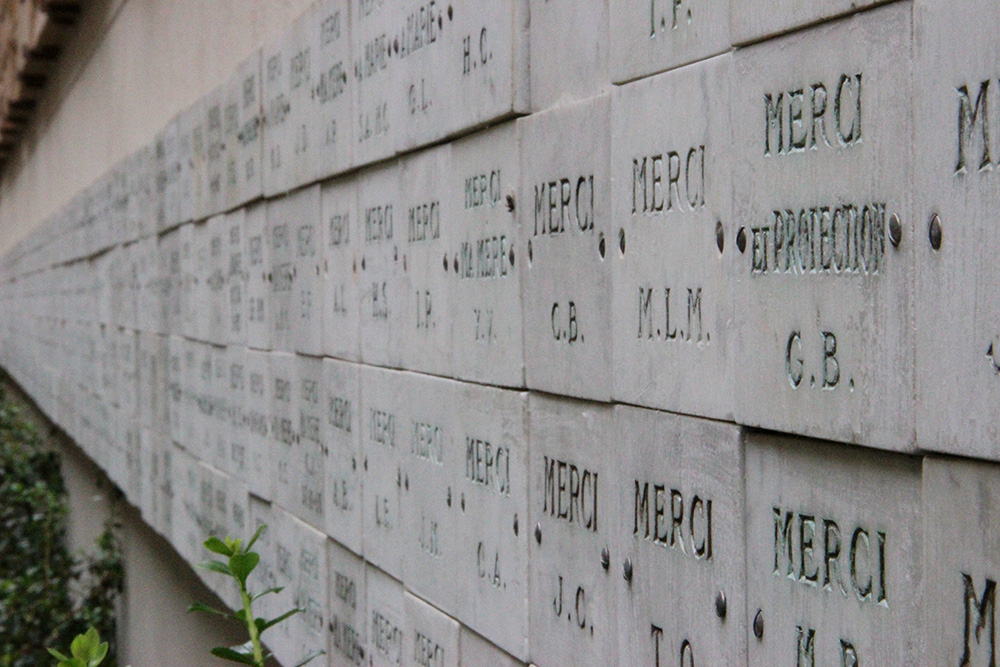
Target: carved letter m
x=984, y=609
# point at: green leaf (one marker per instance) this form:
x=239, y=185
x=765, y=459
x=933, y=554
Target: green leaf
x=253, y=540
x=242, y=565
x=215, y=545
x=275, y=621
x=57, y=655
x=275, y=589
x=310, y=658
x=242, y=654
x=198, y=606
x=99, y=655
x=216, y=566
x=85, y=646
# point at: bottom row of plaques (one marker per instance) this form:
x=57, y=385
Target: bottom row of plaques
x=621, y=535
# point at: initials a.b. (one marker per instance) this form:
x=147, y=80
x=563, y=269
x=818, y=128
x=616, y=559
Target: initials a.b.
x=980, y=624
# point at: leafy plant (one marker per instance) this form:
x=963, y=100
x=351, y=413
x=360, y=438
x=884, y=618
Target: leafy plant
x=240, y=562
x=87, y=649
x=47, y=594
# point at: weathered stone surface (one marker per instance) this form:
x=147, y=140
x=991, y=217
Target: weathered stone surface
x=565, y=238
x=957, y=344
x=341, y=286
x=671, y=217
x=660, y=34
x=820, y=320
x=833, y=553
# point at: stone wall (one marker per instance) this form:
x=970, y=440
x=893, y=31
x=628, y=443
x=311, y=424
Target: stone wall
x=548, y=331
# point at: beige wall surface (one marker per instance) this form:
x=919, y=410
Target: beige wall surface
x=128, y=69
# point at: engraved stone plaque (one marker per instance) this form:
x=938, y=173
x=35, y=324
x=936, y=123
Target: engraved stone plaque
x=383, y=444
x=833, y=553
x=237, y=276
x=236, y=460
x=300, y=152
x=430, y=637
x=308, y=466
x=374, y=70
x=565, y=239
x=429, y=502
x=671, y=208
x=285, y=437
x=459, y=66
x=681, y=527
x=482, y=260
x=216, y=280
x=424, y=201
x=307, y=267
x=286, y=217
x=572, y=520
x=258, y=263
x=213, y=173
x=958, y=338
x=333, y=87
x=278, y=118
x=822, y=292
x=243, y=122
x=341, y=283
x=348, y=618
x=260, y=466
x=653, y=36
x=960, y=562
x=300, y=566
x=386, y=619
x=491, y=489
x=344, y=462
x=754, y=20
x=383, y=299
x=569, y=51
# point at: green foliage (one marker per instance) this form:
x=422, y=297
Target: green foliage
x=239, y=562
x=87, y=650
x=47, y=595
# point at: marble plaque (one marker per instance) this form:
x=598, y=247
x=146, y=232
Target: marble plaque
x=374, y=72
x=569, y=50
x=236, y=458
x=333, y=87
x=960, y=562
x=658, y=35
x=200, y=320
x=483, y=265
x=285, y=437
x=572, y=597
x=214, y=170
x=490, y=486
x=237, y=276
x=383, y=300
x=217, y=280
x=429, y=636
x=672, y=212
x=188, y=287
x=425, y=200
x=347, y=638
x=957, y=341
x=285, y=216
x=754, y=20
x=260, y=453
x=822, y=292
x=308, y=465
x=386, y=619
x=191, y=158
x=258, y=263
x=566, y=238
x=301, y=567
x=344, y=463
x=307, y=274
x=833, y=553
x=383, y=421
x=459, y=66
x=278, y=117
x=681, y=528
x=243, y=124
x=341, y=284
x=176, y=386
x=429, y=497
